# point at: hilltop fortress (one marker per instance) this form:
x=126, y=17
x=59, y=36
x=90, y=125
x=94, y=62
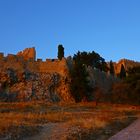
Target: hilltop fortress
x=22, y=77
x=26, y=60
x=25, y=78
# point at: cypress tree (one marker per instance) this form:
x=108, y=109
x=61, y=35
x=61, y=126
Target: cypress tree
x=60, y=52
x=122, y=72
x=79, y=83
x=112, y=71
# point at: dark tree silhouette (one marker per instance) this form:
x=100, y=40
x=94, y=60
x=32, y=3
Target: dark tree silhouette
x=80, y=88
x=128, y=90
x=122, y=72
x=112, y=71
x=79, y=83
x=60, y=52
x=91, y=59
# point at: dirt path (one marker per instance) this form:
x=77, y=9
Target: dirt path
x=52, y=131
x=60, y=131
x=132, y=132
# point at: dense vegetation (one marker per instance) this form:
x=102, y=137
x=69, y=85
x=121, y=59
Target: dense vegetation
x=128, y=90
x=80, y=87
x=112, y=71
x=122, y=72
x=91, y=59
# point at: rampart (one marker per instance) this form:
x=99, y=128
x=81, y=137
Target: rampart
x=126, y=63
x=21, y=63
x=26, y=60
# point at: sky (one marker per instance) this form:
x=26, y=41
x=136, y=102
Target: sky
x=108, y=27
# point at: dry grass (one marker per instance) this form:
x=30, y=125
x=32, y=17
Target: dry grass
x=88, y=122
x=18, y=119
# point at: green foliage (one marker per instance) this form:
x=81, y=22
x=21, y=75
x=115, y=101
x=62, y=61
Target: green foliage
x=91, y=59
x=112, y=71
x=60, y=52
x=128, y=91
x=80, y=88
x=122, y=72
x=133, y=77
x=133, y=71
x=79, y=83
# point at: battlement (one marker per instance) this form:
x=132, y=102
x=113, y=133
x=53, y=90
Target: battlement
x=26, y=60
x=39, y=60
x=52, y=60
x=53, y=65
x=28, y=54
x=11, y=57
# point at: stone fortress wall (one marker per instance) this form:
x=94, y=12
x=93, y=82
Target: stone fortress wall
x=26, y=60
x=47, y=80
x=126, y=63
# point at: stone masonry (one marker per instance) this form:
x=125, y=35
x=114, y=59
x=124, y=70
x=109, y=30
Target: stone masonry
x=22, y=77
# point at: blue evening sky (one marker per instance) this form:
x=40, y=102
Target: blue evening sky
x=109, y=27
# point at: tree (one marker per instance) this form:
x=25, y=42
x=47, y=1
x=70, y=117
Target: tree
x=122, y=72
x=91, y=59
x=79, y=83
x=128, y=90
x=80, y=88
x=112, y=71
x=60, y=52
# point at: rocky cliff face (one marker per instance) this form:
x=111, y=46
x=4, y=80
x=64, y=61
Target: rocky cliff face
x=24, y=79
x=27, y=86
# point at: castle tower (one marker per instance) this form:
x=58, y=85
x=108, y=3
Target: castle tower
x=28, y=54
